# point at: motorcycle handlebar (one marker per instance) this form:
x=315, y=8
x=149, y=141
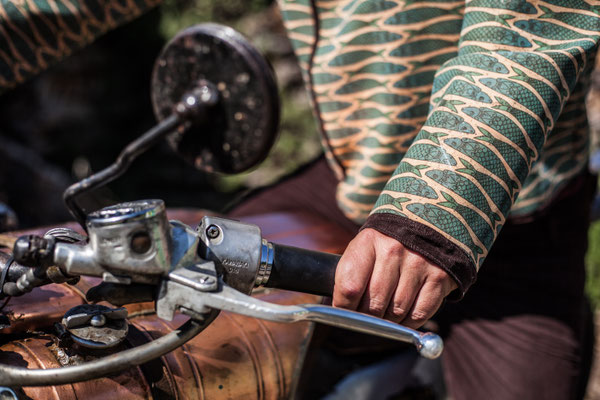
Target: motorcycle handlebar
x=303, y=270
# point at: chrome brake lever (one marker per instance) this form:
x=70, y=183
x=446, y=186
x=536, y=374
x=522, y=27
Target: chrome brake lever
x=196, y=289
x=429, y=345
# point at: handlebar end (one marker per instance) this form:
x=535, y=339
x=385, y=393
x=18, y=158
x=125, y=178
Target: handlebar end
x=430, y=346
x=34, y=251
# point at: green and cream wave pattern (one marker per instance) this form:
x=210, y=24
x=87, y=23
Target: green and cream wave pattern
x=34, y=34
x=445, y=111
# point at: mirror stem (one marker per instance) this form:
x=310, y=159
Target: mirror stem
x=127, y=156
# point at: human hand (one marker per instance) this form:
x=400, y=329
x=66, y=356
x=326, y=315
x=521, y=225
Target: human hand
x=377, y=275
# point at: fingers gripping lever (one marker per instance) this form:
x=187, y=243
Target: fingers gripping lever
x=429, y=345
x=197, y=289
x=283, y=267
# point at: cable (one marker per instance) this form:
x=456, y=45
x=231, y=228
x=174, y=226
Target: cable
x=17, y=376
x=5, y=302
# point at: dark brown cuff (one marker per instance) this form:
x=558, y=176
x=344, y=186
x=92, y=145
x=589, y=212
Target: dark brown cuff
x=430, y=244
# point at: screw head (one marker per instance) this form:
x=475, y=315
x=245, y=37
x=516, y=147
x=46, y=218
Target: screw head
x=191, y=100
x=213, y=232
x=98, y=320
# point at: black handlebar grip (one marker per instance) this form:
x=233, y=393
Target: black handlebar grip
x=303, y=270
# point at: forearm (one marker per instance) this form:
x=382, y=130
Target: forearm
x=493, y=107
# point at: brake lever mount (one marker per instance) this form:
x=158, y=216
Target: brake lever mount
x=214, y=267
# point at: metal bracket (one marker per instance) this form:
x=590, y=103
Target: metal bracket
x=183, y=289
x=235, y=248
x=86, y=315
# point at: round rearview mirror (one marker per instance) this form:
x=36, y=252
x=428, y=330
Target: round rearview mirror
x=239, y=130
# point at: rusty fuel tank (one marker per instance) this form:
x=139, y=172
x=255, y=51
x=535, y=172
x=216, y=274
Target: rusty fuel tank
x=235, y=357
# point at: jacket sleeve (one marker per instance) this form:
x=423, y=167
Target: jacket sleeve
x=35, y=34
x=492, y=108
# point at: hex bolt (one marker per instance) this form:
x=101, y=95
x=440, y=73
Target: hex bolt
x=213, y=232
x=98, y=320
x=140, y=242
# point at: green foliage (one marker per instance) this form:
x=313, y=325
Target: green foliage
x=593, y=265
x=179, y=14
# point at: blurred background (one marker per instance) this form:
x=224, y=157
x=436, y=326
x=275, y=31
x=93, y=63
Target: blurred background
x=74, y=119
x=593, y=254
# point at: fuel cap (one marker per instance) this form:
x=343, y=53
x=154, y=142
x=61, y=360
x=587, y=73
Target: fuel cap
x=95, y=326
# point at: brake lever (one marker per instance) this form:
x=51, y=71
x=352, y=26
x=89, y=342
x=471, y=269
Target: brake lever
x=197, y=289
x=429, y=345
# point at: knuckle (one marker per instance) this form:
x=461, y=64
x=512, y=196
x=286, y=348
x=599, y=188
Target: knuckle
x=349, y=292
x=438, y=277
x=418, y=316
x=369, y=233
x=388, y=251
x=366, y=237
x=398, y=311
x=376, y=306
x=391, y=249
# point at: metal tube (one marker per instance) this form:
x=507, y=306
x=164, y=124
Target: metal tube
x=127, y=156
x=16, y=376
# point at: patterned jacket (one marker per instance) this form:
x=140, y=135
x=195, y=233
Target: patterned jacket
x=435, y=114
x=444, y=117
x=34, y=34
